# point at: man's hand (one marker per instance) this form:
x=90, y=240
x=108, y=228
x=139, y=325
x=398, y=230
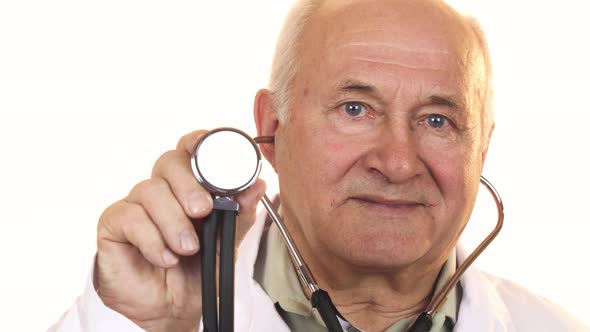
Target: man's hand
x=148, y=267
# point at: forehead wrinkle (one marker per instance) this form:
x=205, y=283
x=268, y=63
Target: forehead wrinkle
x=396, y=63
x=395, y=40
x=396, y=53
x=397, y=46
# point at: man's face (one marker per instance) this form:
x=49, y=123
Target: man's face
x=380, y=160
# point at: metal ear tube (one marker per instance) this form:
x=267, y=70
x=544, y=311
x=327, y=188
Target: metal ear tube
x=424, y=321
x=319, y=297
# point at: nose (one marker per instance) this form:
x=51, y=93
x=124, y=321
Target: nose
x=394, y=154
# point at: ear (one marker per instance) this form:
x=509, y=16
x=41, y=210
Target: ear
x=267, y=122
x=486, y=145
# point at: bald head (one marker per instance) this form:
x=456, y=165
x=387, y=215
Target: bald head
x=313, y=25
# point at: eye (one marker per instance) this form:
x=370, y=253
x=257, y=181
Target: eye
x=354, y=109
x=436, y=120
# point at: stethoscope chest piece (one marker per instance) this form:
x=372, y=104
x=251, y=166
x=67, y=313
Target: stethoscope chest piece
x=226, y=162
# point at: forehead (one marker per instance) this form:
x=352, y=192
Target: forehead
x=403, y=34
x=420, y=24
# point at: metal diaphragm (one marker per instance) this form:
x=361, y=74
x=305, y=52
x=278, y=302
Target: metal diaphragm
x=226, y=161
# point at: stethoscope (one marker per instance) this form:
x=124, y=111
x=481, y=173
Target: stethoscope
x=229, y=146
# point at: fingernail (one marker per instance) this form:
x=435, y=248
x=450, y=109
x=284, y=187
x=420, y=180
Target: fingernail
x=188, y=241
x=169, y=258
x=199, y=202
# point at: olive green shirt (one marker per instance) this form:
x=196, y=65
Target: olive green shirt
x=277, y=276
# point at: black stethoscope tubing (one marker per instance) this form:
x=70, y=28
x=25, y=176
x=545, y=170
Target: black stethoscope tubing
x=225, y=220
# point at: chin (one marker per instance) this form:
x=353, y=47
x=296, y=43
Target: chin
x=377, y=249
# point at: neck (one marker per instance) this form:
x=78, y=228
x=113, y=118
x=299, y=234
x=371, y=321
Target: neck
x=368, y=299
x=376, y=301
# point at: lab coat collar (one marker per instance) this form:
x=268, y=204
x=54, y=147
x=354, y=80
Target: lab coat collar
x=253, y=308
x=481, y=305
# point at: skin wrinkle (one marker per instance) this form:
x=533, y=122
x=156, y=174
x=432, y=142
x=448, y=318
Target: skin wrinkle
x=384, y=311
x=394, y=63
x=384, y=50
x=400, y=47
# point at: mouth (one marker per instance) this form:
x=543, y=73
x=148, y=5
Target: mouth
x=381, y=205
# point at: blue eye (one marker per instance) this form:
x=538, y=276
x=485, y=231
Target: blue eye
x=354, y=109
x=436, y=121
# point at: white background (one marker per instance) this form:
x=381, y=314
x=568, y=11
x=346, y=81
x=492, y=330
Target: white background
x=91, y=93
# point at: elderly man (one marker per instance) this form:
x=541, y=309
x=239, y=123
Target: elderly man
x=381, y=118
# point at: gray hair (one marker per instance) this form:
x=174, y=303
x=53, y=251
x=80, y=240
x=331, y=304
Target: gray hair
x=288, y=50
x=485, y=87
x=285, y=65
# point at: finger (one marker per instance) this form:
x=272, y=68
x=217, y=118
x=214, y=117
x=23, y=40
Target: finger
x=125, y=222
x=156, y=197
x=248, y=201
x=188, y=142
x=174, y=167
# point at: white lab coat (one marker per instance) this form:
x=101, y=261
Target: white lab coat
x=488, y=304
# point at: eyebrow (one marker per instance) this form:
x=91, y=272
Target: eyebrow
x=357, y=86
x=353, y=86
x=443, y=101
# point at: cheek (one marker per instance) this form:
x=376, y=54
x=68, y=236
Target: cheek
x=335, y=156
x=326, y=156
x=313, y=172
x=455, y=171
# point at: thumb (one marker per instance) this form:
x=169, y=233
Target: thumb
x=248, y=201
